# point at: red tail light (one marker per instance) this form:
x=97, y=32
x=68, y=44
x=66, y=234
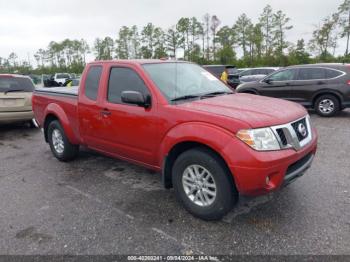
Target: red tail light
x=348, y=82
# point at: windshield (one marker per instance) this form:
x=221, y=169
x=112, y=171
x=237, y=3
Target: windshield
x=16, y=83
x=183, y=79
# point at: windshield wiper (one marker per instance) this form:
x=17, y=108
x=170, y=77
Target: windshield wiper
x=217, y=93
x=13, y=90
x=185, y=97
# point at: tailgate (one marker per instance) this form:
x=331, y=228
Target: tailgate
x=15, y=101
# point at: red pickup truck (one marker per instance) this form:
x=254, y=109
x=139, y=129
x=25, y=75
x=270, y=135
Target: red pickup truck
x=209, y=143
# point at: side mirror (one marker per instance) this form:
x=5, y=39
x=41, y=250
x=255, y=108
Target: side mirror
x=136, y=98
x=268, y=81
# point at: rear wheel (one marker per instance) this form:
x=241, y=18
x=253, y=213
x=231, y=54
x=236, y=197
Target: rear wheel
x=203, y=185
x=62, y=149
x=327, y=105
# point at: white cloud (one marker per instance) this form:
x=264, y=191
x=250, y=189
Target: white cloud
x=26, y=26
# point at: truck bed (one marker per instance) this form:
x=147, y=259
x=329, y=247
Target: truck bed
x=71, y=91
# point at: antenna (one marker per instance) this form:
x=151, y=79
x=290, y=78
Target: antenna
x=175, y=79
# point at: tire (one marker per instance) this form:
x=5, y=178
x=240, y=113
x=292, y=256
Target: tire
x=327, y=105
x=208, y=163
x=61, y=148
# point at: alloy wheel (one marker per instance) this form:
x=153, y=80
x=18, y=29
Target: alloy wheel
x=326, y=106
x=199, y=185
x=57, y=141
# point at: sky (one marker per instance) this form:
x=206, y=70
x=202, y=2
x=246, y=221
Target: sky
x=27, y=25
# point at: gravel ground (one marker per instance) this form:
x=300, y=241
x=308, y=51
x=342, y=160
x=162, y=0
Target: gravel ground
x=99, y=205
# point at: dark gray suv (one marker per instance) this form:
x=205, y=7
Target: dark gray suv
x=324, y=87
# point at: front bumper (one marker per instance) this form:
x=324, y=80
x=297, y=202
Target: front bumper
x=298, y=169
x=263, y=172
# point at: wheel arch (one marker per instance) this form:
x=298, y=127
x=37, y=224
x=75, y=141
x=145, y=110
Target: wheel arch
x=180, y=148
x=55, y=112
x=327, y=92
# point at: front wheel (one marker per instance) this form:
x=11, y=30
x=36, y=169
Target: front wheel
x=61, y=148
x=203, y=185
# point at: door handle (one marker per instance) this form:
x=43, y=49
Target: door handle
x=106, y=112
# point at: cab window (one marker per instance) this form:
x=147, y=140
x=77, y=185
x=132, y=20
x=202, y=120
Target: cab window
x=124, y=79
x=92, y=82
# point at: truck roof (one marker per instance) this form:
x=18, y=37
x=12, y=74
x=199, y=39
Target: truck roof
x=137, y=61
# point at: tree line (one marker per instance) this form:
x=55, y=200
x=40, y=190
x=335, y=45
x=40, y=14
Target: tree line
x=204, y=41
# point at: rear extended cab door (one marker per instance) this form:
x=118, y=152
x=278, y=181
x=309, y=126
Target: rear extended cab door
x=89, y=111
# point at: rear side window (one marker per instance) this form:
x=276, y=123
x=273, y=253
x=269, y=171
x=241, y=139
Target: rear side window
x=124, y=79
x=312, y=73
x=333, y=73
x=21, y=84
x=92, y=82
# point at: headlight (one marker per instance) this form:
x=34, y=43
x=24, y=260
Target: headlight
x=262, y=139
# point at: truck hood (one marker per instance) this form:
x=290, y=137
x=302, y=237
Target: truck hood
x=256, y=111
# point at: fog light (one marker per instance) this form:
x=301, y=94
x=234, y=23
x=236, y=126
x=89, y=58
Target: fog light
x=267, y=180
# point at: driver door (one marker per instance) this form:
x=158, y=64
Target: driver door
x=128, y=130
x=279, y=84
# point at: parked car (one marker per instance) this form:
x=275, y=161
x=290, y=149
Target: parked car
x=209, y=143
x=61, y=78
x=251, y=74
x=217, y=71
x=16, y=98
x=324, y=87
x=250, y=78
x=50, y=82
x=259, y=71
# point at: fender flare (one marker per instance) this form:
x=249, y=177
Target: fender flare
x=58, y=112
x=212, y=136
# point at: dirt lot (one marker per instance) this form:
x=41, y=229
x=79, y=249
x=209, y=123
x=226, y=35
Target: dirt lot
x=98, y=205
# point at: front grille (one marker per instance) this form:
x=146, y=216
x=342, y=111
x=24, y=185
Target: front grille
x=282, y=136
x=301, y=136
x=295, y=135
